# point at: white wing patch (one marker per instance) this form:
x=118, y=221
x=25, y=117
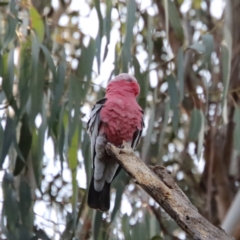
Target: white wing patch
x=110, y=171
x=98, y=160
x=104, y=170
x=108, y=174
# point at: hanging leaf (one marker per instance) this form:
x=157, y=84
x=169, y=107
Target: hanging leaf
x=201, y=136
x=142, y=79
x=199, y=47
x=72, y=154
x=40, y=234
x=100, y=18
x=117, y=60
x=154, y=226
x=208, y=42
x=84, y=70
x=74, y=106
x=166, y=19
x=10, y=205
x=98, y=39
x=36, y=162
x=156, y=238
x=107, y=22
x=195, y=124
x=58, y=87
x=237, y=129
x=25, y=75
x=24, y=232
x=87, y=156
x=37, y=95
x=11, y=29
x=25, y=201
x=24, y=145
x=175, y=20
x=119, y=184
x=180, y=73
x=126, y=50
x=174, y=101
x=226, y=62
x=1, y=137
x=8, y=77
x=147, y=139
x=97, y=224
x=149, y=39
x=49, y=59
x=61, y=135
x=38, y=146
x=8, y=136
x=164, y=125
x=126, y=227
x=37, y=23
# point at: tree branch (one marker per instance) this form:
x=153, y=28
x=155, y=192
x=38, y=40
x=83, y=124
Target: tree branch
x=158, y=183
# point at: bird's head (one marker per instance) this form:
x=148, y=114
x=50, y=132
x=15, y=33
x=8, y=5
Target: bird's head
x=124, y=84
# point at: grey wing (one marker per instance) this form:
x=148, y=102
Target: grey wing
x=94, y=123
x=102, y=171
x=137, y=135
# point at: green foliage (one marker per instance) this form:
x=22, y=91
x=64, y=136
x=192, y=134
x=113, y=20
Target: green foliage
x=50, y=63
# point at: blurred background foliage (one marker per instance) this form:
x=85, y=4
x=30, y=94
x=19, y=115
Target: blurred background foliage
x=55, y=60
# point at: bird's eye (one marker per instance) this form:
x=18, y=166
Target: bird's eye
x=129, y=80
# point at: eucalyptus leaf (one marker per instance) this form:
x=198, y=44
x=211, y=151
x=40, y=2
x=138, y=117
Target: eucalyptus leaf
x=208, y=42
x=10, y=205
x=58, y=87
x=24, y=145
x=126, y=50
x=199, y=47
x=180, y=72
x=226, y=67
x=201, y=136
x=8, y=77
x=175, y=20
x=174, y=101
x=195, y=124
x=38, y=137
x=149, y=39
x=8, y=136
x=126, y=227
x=37, y=23
x=11, y=30
x=36, y=97
x=87, y=156
x=107, y=22
x=164, y=125
x=97, y=224
x=143, y=82
x=119, y=184
x=49, y=59
x=25, y=202
x=237, y=129
x=25, y=74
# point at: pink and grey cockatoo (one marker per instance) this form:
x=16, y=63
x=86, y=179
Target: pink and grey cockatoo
x=115, y=118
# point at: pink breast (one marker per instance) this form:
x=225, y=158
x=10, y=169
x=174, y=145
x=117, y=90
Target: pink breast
x=120, y=119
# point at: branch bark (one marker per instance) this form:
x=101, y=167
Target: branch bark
x=158, y=183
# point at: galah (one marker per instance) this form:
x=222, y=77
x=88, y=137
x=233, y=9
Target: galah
x=115, y=118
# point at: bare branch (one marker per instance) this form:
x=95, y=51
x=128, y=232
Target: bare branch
x=158, y=183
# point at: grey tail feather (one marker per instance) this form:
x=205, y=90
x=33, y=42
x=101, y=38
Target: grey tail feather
x=99, y=200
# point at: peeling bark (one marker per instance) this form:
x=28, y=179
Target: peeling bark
x=159, y=184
